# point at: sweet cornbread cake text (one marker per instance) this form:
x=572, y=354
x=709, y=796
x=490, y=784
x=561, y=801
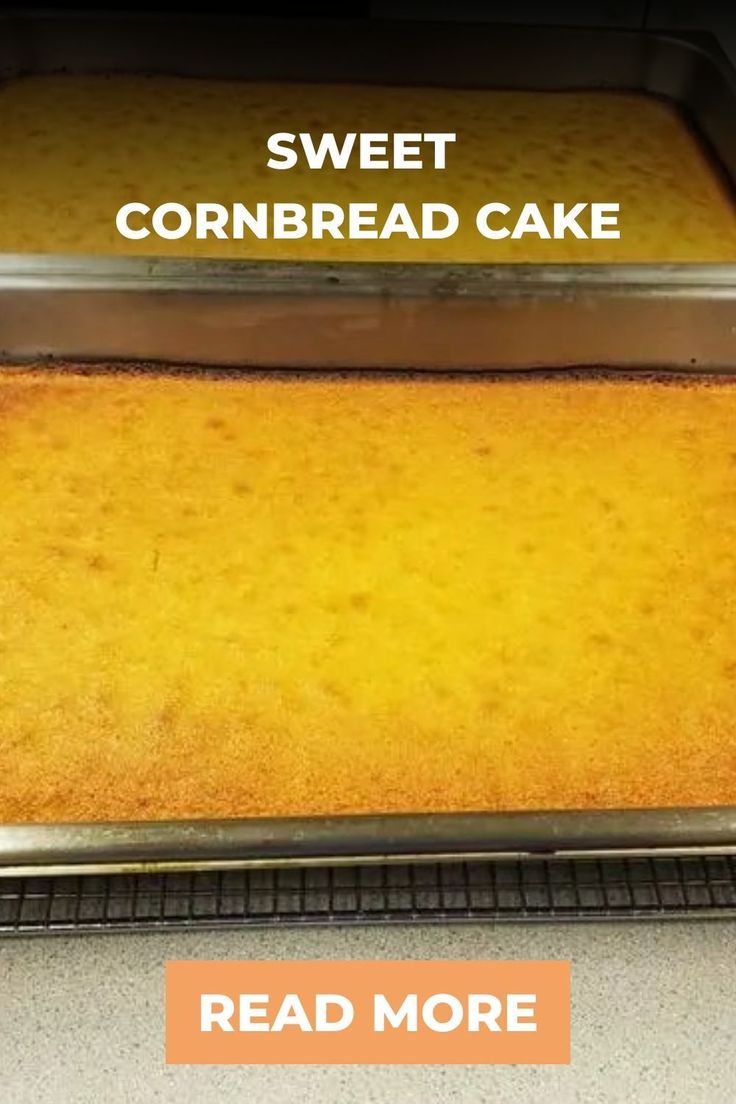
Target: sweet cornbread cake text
x=361, y=220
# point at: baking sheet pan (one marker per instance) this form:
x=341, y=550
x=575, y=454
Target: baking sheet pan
x=368, y=317
x=54, y=848
x=35, y=848
x=375, y=316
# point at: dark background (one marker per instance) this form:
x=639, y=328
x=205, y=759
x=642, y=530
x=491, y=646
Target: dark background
x=716, y=16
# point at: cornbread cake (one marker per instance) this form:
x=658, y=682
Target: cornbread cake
x=75, y=149
x=280, y=595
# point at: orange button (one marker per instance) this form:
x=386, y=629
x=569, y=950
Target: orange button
x=367, y=1012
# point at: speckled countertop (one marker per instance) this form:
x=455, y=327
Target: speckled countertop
x=654, y=1018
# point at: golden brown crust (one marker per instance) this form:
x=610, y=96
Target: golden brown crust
x=292, y=596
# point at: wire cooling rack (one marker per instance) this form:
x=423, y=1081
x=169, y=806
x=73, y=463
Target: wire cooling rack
x=528, y=890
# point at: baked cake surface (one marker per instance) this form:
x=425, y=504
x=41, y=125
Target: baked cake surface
x=273, y=596
x=74, y=149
